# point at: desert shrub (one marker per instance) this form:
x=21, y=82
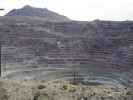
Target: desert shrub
x=41, y=87
x=129, y=92
x=65, y=87
x=36, y=96
x=83, y=88
x=43, y=96
x=83, y=98
x=102, y=98
x=72, y=90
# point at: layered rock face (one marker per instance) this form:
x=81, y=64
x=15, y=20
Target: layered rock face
x=103, y=42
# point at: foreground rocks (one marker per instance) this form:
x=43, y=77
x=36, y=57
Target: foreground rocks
x=60, y=90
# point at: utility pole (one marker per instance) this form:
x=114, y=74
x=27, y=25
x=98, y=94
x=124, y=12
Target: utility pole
x=0, y=50
x=1, y=9
x=0, y=59
x=75, y=75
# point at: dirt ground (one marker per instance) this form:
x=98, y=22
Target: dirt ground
x=60, y=90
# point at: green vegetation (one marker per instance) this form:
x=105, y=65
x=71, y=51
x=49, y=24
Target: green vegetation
x=129, y=92
x=41, y=86
x=65, y=87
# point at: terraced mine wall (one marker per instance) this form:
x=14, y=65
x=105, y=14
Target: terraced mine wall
x=102, y=42
x=106, y=44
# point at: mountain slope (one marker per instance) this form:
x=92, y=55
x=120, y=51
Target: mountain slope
x=38, y=13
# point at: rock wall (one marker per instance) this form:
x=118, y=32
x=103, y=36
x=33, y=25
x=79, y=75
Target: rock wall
x=105, y=43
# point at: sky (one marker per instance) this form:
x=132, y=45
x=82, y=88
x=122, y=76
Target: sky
x=84, y=10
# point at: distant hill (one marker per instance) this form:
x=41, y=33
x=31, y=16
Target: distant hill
x=37, y=13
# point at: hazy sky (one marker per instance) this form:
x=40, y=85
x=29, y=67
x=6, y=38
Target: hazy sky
x=79, y=9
